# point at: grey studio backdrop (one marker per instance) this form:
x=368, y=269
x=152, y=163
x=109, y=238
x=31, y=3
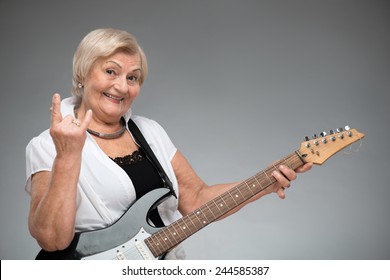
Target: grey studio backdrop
x=237, y=85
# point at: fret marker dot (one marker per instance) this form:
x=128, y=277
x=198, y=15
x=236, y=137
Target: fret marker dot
x=253, y=185
x=204, y=222
x=165, y=239
x=221, y=205
x=236, y=195
x=184, y=227
x=198, y=212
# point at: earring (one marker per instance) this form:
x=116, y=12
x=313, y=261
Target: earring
x=80, y=85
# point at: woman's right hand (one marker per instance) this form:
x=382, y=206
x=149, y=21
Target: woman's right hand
x=68, y=134
x=54, y=193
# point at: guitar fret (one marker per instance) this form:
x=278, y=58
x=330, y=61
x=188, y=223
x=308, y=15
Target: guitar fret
x=287, y=163
x=206, y=220
x=151, y=245
x=215, y=207
x=256, y=185
x=210, y=210
x=157, y=245
x=172, y=233
x=248, y=187
x=223, y=202
x=261, y=185
x=234, y=198
x=159, y=240
x=197, y=213
x=179, y=230
x=185, y=227
x=276, y=169
x=191, y=220
x=241, y=193
x=165, y=238
x=182, y=228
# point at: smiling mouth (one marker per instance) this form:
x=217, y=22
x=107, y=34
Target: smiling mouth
x=114, y=97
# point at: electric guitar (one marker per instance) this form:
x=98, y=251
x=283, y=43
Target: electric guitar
x=132, y=237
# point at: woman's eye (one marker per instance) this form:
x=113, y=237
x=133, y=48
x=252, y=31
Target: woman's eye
x=110, y=71
x=133, y=79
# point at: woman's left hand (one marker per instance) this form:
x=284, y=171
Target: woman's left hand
x=284, y=176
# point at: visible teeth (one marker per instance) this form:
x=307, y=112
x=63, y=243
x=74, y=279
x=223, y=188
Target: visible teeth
x=113, y=97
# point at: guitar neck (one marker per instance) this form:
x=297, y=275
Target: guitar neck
x=175, y=233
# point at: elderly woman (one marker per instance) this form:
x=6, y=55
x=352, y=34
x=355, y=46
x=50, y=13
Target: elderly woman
x=87, y=169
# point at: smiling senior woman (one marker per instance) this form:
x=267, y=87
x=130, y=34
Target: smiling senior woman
x=87, y=169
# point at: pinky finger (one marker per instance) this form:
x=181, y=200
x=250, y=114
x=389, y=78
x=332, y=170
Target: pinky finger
x=304, y=168
x=87, y=120
x=281, y=193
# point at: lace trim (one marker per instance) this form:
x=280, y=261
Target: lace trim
x=135, y=157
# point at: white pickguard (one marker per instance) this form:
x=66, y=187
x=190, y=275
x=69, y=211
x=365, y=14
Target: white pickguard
x=134, y=249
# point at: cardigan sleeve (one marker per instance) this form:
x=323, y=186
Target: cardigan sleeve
x=40, y=154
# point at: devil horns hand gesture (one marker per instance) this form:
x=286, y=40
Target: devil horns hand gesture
x=68, y=134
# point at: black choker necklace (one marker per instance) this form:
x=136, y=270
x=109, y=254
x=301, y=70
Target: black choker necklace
x=108, y=135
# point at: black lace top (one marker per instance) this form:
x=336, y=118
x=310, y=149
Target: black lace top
x=144, y=176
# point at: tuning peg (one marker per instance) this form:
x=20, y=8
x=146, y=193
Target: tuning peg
x=307, y=139
x=348, y=130
x=323, y=134
x=315, y=136
x=340, y=129
x=331, y=132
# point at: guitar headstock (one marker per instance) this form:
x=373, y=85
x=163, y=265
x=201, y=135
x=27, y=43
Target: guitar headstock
x=322, y=147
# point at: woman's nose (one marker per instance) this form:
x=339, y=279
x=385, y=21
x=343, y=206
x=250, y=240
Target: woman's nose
x=121, y=85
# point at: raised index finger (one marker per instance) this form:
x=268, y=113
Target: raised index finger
x=56, y=116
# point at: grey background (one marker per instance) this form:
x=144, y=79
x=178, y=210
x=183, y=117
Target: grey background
x=237, y=85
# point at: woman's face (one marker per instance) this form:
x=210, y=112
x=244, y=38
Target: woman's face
x=111, y=86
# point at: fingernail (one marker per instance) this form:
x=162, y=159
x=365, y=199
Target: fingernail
x=282, y=167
